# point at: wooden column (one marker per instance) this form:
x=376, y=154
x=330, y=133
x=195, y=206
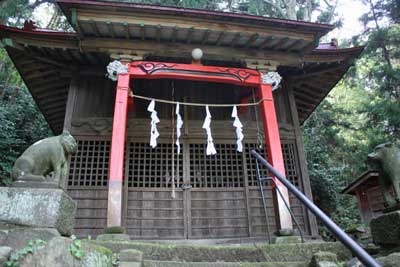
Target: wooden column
x=69, y=109
x=275, y=157
x=312, y=221
x=114, y=211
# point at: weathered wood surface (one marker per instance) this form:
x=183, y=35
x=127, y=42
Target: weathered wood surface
x=217, y=205
x=224, y=201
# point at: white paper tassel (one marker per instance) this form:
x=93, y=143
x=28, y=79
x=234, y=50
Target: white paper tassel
x=179, y=124
x=154, y=134
x=239, y=133
x=173, y=194
x=206, y=125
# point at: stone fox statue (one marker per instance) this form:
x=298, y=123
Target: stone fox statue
x=44, y=157
x=386, y=159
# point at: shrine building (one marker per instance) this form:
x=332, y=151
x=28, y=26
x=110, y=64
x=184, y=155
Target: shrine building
x=116, y=177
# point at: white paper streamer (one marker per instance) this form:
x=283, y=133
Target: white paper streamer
x=239, y=133
x=206, y=125
x=179, y=124
x=154, y=134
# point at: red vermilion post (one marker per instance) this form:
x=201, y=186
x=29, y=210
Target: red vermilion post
x=275, y=157
x=114, y=211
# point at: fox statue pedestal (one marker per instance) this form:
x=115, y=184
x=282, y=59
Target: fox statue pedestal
x=385, y=229
x=38, y=207
x=34, y=213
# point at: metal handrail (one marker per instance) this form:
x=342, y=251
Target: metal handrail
x=260, y=181
x=352, y=245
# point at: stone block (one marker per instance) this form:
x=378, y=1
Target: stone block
x=131, y=255
x=392, y=260
x=46, y=208
x=354, y=262
x=3, y=238
x=285, y=232
x=56, y=253
x=385, y=229
x=113, y=237
x=18, y=237
x=324, y=259
x=4, y=254
x=130, y=264
x=287, y=239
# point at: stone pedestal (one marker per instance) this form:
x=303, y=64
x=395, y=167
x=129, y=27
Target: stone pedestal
x=38, y=208
x=385, y=229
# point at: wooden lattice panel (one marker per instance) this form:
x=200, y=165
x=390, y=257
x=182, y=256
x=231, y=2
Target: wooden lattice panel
x=87, y=185
x=89, y=166
x=251, y=165
x=291, y=164
x=215, y=207
x=155, y=214
x=91, y=214
x=218, y=213
x=257, y=215
x=225, y=169
x=289, y=158
x=152, y=167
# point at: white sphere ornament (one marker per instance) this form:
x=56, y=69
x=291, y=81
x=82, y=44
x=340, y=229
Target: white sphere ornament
x=197, y=54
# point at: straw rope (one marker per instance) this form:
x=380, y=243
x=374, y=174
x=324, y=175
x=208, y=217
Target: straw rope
x=200, y=104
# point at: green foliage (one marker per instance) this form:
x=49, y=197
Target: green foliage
x=361, y=112
x=114, y=259
x=114, y=230
x=30, y=248
x=76, y=248
x=21, y=121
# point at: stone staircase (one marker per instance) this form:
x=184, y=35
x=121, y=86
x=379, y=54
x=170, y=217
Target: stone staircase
x=144, y=254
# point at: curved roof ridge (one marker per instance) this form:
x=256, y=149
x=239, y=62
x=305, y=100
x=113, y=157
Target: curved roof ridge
x=199, y=12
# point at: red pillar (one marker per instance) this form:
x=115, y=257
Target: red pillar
x=114, y=211
x=275, y=157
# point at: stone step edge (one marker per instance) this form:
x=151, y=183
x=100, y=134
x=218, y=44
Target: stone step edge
x=245, y=253
x=151, y=263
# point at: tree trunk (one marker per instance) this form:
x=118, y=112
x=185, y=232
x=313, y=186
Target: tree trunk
x=382, y=45
x=7, y=81
x=307, y=10
x=291, y=9
x=3, y=62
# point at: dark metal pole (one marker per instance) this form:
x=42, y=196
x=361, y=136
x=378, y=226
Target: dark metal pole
x=260, y=186
x=358, y=251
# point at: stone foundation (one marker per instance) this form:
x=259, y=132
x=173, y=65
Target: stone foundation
x=38, y=208
x=385, y=229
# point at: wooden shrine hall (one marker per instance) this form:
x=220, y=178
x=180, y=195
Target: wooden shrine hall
x=116, y=177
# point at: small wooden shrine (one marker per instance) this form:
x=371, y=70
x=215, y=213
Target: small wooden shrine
x=116, y=177
x=369, y=195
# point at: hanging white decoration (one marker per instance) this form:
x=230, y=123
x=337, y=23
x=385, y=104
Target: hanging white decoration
x=154, y=134
x=179, y=124
x=206, y=125
x=115, y=68
x=239, y=132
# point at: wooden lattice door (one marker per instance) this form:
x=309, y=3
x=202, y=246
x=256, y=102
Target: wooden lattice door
x=209, y=192
x=217, y=206
x=215, y=196
x=151, y=211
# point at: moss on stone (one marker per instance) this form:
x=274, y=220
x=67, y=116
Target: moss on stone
x=243, y=253
x=222, y=264
x=103, y=250
x=115, y=230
